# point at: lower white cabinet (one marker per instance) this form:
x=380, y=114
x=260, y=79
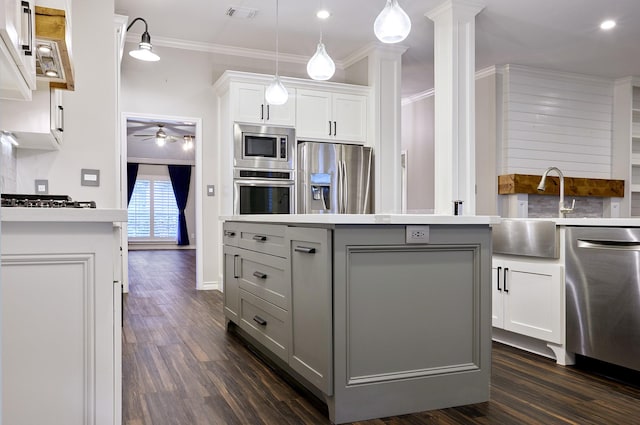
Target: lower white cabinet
x=527, y=298
x=61, y=329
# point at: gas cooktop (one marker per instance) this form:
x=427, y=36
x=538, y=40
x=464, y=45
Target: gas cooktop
x=43, y=201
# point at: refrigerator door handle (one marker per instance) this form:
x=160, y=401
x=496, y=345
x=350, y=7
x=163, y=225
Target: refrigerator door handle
x=345, y=184
x=338, y=186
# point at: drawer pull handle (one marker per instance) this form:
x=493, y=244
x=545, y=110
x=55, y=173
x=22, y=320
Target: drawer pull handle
x=259, y=320
x=305, y=249
x=259, y=238
x=260, y=275
x=229, y=233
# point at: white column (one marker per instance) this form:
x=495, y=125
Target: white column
x=454, y=78
x=384, y=64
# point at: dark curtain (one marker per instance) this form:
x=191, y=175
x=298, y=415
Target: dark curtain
x=180, y=178
x=132, y=175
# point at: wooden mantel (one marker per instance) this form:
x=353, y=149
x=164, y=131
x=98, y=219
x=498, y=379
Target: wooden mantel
x=573, y=186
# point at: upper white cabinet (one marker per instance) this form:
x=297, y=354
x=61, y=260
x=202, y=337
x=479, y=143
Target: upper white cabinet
x=331, y=116
x=17, y=49
x=250, y=105
x=38, y=124
x=528, y=298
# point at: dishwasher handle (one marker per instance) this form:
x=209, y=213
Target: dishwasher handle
x=609, y=244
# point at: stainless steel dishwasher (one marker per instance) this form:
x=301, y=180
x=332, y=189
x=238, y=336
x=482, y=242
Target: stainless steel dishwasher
x=603, y=293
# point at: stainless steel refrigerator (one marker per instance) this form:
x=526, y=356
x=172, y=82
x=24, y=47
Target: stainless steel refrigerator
x=334, y=178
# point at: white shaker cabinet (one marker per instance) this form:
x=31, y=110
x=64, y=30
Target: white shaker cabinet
x=331, y=115
x=251, y=106
x=527, y=298
x=38, y=124
x=17, y=49
x=60, y=316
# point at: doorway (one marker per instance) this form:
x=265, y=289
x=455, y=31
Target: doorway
x=153, y=142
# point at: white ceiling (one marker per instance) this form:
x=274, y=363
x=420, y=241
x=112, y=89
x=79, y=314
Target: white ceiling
x=554, y=34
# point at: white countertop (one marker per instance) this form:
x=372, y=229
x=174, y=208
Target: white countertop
x=594, y=222
x=53, y=215
x=364, y=219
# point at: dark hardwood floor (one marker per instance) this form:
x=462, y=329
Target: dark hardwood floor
x=181, y=367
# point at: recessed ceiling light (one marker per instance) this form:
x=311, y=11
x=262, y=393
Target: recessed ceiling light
x=323, y=14
x=608, y=24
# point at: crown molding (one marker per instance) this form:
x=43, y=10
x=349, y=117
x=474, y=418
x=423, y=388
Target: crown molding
x=417, y=97
x=373, y=47
x=222, y=49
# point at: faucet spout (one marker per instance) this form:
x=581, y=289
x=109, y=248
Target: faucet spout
x=562, y=210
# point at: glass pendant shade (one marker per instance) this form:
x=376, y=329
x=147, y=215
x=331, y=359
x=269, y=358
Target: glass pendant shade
x=321, y=66
x=276, y=93
x=392, y=24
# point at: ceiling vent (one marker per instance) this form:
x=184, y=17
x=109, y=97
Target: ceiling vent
x=241, y=12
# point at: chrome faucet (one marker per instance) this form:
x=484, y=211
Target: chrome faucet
x=562, y=210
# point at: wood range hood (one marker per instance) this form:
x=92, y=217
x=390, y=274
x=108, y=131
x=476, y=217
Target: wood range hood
x=53, y=48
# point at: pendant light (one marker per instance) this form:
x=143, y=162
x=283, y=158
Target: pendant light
x=276, y=93
x=143, y=52
x=392, y=24
x=321, y=66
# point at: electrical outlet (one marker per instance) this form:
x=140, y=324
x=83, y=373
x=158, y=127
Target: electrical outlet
x=417, y=234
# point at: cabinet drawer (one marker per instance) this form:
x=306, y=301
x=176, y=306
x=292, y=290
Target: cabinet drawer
x=230, y=234
x=265, y=238
x=265, y=322
x=264, y=276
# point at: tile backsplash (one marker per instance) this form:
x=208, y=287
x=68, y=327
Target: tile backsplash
x=8, y=173
x=543, y=206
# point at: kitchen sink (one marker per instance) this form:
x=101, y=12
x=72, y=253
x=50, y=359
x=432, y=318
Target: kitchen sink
x=527, y=237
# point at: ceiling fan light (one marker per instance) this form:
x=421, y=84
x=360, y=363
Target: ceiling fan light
x=392, y=24
x=276, y=93
x=161, y=140
x=321, y=67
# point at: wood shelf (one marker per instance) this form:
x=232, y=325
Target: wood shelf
x=509, y=184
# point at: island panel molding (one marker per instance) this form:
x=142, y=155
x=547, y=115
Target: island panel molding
x=509, y=184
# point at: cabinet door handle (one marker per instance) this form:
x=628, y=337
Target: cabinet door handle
x=498, y=270
x=329, y=128
x=335, y=129
x=305, y=249
x=229, y=233
x=262, y=111
x=26, y=9
x=259, y=275
x=259, y=320
x=268, y=112
x=259, y=238
x=236, y=268
x=61, y=113
x=504, y=280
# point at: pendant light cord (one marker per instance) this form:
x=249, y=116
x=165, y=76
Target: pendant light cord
x=277, y=35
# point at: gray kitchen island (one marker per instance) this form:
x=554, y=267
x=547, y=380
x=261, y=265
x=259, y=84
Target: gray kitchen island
x=378, y=315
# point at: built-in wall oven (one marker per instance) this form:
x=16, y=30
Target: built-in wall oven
x=263, y=191
x=263, y=147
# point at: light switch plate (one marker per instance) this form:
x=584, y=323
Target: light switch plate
x=211, y=190
x=89, y=177
x=42, y=187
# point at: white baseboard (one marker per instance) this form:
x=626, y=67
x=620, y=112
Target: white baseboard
x=523, y=342
x=210, y=286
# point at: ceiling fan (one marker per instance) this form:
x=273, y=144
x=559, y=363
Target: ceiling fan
x=161, y=138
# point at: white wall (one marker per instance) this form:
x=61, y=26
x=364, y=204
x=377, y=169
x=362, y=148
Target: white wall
x=488, y=131
x=556, y=119
x=189, y=212
x=90, y=122
x=418, y=141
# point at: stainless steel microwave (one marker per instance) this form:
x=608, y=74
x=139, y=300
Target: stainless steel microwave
x=264, y=147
